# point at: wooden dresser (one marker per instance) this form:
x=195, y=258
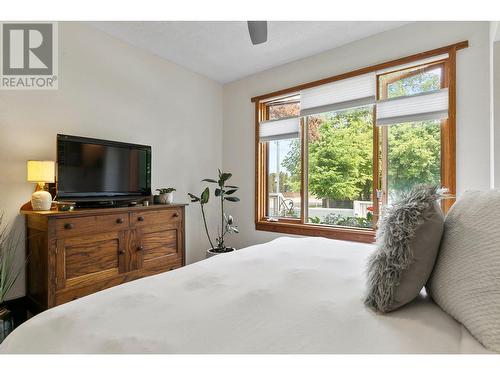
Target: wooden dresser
x=76, y=253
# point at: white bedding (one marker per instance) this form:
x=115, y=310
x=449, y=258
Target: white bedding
x=286, y=296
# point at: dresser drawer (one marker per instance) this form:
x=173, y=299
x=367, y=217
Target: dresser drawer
x=148, y=218
x=78, y=291
x=161, y=265
x=77, y=226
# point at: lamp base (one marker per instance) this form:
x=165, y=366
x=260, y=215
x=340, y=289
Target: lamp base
x=41, y=200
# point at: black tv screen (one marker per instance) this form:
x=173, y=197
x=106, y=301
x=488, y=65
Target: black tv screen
x=97, y=168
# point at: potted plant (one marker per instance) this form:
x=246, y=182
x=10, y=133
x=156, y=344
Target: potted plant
x=8, y=275
x=166, y=195
x=225, y=194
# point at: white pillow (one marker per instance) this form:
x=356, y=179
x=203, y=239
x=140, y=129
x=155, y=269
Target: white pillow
x=465, y=281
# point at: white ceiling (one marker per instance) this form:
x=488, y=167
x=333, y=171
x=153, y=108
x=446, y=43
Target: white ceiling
x=222, y=50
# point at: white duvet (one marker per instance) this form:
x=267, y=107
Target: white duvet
x=286, y=296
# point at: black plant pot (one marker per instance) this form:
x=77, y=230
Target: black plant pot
x=212, y=252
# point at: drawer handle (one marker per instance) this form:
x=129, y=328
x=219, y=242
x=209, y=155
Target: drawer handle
x=68, y=226
x=140, y=218
x=176, y=214
x=140, y=248
x=121, y=252
x=119, y=221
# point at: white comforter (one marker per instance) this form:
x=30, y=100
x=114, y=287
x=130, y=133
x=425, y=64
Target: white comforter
x=286, y=296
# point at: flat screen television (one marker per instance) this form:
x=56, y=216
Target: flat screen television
x=99, y=170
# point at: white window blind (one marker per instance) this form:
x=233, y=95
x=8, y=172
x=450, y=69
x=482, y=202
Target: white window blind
x=431, y=105
x=347, y=93
x=273, y=130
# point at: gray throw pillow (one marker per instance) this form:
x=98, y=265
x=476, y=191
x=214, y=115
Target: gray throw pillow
x=466, y=278
x=407, y=244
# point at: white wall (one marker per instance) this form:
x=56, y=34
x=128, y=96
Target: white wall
x=473, y=119
x=496, y=110
x=494, y=79
x=110, y=90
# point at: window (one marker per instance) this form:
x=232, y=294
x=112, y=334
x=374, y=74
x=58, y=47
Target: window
x=283, y=159
x=410, y=151
x=284, y=178
x=331, y=155
x=340, y=168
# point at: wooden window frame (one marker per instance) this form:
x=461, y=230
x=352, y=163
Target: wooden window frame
x=382, y=134
x=265, y=114
x=299, y=226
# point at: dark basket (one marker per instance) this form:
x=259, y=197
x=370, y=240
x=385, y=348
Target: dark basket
x=6, y=323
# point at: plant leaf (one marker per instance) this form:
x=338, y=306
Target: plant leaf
x=218, y=192
x=232, y=199
x=210, y=180
x=9, y=272
x=193, y=197
x=166, y=190
x=225, y=176
x=205, y=196
x=232, y=187
x=232, y=191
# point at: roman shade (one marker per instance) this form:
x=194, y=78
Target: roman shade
x=273, y=130
x=347, y=93
x=431, y=105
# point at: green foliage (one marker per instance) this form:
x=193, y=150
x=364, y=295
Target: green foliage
x=203, y=198
x=414, y=148
x=290, y=181
x=8, y=271
x=165, y=190
x=414, y=84
x=340, y=159
x=224, y=193
x=289, y=212
x=345, y=221
x=315, y=220
x=414, y=155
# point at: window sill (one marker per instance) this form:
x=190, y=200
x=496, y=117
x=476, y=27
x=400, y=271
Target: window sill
x=346, y=234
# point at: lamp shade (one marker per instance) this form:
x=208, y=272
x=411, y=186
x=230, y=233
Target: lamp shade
x=41, y=171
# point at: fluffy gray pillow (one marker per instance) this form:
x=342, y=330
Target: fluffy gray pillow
x=466, y=278
x=407, y=243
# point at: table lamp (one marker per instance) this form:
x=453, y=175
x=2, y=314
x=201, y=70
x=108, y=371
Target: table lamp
x=41, y=172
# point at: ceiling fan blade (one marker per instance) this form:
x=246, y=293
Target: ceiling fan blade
x=258, y=31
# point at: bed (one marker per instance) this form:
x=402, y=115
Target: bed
x=290, y=295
